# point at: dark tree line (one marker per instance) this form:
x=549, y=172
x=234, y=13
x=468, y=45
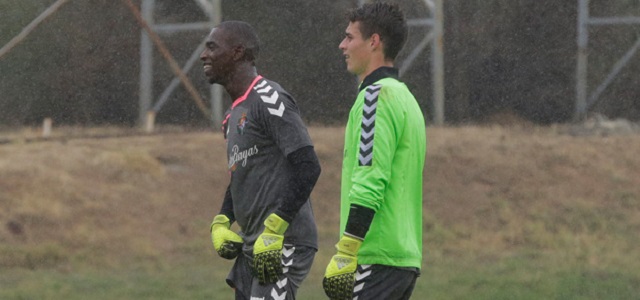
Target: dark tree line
x=81, y=66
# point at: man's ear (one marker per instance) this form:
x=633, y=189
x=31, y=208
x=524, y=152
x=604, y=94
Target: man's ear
x=375, y=40
x=238, y=52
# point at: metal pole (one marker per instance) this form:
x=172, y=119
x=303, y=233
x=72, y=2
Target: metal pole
x=146, y=63
x=167, y=56
x=615, y=21
x=164, y=96
x=581, y=67
x=216, y=89
x=25, y=31
x=614, y=72
x=407, y=62
x=438, y=64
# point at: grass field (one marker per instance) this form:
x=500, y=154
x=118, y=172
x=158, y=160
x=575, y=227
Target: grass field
x=509, y=213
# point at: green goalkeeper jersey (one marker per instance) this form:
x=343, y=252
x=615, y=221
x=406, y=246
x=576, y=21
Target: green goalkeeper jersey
x=384, y=152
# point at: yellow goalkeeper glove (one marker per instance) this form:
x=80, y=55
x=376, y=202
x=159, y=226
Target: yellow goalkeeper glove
x=227, y=243
x=339, y=278
x=267, y=251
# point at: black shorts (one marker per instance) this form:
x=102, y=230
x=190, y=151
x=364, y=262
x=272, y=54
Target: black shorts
x=384, y=282
x=296, y=263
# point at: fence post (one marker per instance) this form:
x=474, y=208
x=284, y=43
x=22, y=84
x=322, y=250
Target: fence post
x=150, y=121
x=47, y=123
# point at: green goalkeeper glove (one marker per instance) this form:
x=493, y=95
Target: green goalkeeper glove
x=267, y=251
x=339, y=278
x=227, y=243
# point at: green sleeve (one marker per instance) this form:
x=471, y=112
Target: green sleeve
x=371, y=174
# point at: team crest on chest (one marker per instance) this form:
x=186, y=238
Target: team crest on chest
x=242, y=123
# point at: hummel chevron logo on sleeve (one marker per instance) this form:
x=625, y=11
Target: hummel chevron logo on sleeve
x=270, y=97
x=368, y=125
x=264, y=90
x=261, y=84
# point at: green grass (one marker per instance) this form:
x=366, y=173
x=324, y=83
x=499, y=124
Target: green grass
x=181, y=283
x=517, y=277
x=524, y=278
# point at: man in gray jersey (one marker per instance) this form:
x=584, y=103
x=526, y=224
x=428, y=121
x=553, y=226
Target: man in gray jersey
x=273, y=169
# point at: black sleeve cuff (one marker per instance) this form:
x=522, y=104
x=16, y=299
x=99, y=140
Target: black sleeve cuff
x=306, y=170
x=359, y=221
x=227, y=206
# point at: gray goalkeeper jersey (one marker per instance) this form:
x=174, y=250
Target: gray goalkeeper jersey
x=261, y=128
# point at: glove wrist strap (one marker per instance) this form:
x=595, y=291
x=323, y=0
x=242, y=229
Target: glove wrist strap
x=275, y=224
x=221, y=220
x=349, y=245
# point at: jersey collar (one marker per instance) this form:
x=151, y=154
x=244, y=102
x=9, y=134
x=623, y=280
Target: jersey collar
x=246, y=93
x=377, y=74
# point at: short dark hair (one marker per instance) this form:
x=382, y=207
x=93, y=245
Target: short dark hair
x=385, y=19
x=243, y=34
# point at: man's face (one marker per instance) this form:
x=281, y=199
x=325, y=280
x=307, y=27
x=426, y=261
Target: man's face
x=356, y=49
x=217, y=57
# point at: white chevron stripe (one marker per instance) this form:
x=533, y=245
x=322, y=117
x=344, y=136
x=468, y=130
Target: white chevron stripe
x=264, y=90
x=261, y=84
x=358, y=287
x=366, y=134
x=282, y=283
x=285, y=270
x=367, y=146
x=371, y=96
x=369, y=108
x=365, y=159
x=360, y=276
x=275, y=296
x=364, y=267
x=374, y=88
x=278, y=112
x=369, y=121
x=286, y=264
x=270, y=99
x=287, y=252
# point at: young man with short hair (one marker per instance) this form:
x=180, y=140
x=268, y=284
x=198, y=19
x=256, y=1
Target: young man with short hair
x=379, y=255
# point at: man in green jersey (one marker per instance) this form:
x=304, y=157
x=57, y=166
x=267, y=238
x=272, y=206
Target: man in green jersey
x=379, y=254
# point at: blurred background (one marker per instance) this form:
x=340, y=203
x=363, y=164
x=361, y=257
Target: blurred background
x=81, y=65
x=532, y=175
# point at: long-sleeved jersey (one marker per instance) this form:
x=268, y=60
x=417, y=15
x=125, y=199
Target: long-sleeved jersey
x=384, y=153
x=262, y=128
